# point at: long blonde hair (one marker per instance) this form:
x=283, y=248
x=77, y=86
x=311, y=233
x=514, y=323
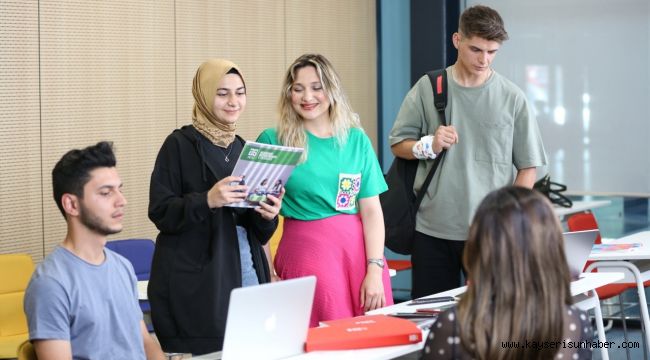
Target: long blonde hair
x=291, y=130
x=518, y=278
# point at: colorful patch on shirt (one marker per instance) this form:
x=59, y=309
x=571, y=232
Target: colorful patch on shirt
x=346, y=197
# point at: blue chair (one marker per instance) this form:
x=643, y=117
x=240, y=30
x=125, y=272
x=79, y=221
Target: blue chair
x=140, y=253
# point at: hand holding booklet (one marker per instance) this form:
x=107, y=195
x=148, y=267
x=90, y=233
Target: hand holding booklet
x=264, y=168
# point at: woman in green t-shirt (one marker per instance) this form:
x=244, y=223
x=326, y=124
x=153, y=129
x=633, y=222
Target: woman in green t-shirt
x=333, y=224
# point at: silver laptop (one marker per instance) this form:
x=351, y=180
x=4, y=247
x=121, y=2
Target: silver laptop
x=269, y=321
x=577, y=247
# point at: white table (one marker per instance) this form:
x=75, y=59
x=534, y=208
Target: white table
x=629, y=260
x=579, y=206
x=587, y=284
x=142, y=289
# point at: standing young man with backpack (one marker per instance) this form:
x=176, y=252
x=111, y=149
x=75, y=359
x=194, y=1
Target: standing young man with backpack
x=492, y=140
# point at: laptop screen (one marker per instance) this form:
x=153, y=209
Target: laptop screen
x=577, y=247
x=269, y=321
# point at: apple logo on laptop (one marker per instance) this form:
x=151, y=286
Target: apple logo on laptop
x=271, y=323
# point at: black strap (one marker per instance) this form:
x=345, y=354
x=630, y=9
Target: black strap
x=438, y=80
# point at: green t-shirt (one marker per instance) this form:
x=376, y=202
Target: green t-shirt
x=497, y=134
x=333, y=179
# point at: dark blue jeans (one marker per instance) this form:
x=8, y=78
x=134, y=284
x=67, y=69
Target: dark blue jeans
x=437, y=265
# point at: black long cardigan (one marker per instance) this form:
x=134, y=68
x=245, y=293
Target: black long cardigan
x=196, y=262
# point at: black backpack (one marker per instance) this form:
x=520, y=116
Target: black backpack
x=399, y=204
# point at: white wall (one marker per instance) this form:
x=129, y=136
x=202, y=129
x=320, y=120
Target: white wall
x=584, y=64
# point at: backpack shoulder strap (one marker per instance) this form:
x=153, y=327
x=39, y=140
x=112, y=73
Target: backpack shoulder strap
x=438, y=80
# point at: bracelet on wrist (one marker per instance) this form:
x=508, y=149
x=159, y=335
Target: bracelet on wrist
x=378, y=262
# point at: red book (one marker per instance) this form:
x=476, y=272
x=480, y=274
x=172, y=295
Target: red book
x=362, y=332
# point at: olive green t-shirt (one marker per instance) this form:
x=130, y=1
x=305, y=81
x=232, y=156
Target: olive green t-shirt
x=497, y=134
x=333, y=178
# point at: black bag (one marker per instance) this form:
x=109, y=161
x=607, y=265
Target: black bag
x=399, y=204
x=552, y=190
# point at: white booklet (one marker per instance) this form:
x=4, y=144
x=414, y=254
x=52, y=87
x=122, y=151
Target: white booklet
x=264, y=168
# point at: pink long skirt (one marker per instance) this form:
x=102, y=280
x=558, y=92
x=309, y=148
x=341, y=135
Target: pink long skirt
x=333, y=249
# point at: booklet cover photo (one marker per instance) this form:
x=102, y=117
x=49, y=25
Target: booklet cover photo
x=264, y=168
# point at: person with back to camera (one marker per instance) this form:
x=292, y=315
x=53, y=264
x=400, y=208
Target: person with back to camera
x=333, y=225
x=491, y=129
x=204, y=249
x=518, y=287
x=82, y=300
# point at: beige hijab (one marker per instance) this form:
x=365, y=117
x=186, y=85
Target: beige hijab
x=204, y=90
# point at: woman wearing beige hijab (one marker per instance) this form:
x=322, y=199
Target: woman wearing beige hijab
x=204, y=248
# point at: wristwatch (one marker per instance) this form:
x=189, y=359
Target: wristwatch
x=378, y=262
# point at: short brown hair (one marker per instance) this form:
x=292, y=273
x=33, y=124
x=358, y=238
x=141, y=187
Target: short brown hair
x=484, y=22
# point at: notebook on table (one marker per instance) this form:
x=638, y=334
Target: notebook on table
x=577, y=247
x=268, y=321
x=363, y=332
x=600, y=248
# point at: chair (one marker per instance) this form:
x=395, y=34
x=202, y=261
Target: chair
x=399, y=265
x=587, y=221
x=26, y=351
x=140, y=253
x=274, y=242
x=401, y=291
x=15, y=272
